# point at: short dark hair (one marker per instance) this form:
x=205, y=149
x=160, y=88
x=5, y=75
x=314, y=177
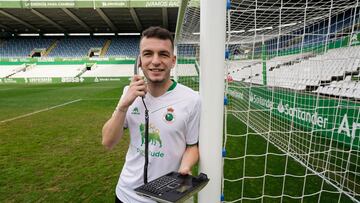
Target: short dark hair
x=159, y=33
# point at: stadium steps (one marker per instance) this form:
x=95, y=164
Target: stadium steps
x=197, y=67
x=51, y=47
x=105, y=48
x=19, y=70
x=82, y=71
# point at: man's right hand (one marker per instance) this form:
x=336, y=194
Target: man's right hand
x=113, y=129
x=137, y=88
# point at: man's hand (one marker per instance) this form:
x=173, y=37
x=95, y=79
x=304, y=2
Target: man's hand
x=113, y=129
x=137, y=88
x=185, y=170
x=190, y=158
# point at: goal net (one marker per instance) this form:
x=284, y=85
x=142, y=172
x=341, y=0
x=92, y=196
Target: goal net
x=292, y=122
x=187, y=39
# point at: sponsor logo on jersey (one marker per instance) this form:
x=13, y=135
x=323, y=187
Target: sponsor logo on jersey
x=154, y=135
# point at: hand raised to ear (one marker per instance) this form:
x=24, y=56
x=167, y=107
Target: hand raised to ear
x=137, y=88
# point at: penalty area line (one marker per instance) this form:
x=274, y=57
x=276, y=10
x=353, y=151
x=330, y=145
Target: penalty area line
x=39, y=111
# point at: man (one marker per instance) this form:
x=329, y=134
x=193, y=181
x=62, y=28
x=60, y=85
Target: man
x=174, y=112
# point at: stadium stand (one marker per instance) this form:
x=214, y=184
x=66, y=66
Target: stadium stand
x=343, y=88
x=329, y=73
x=186, y=50
x=251, y=70
x=185, y=70
x=124, y=47
x=321, y=69
x=300, y=70
x=70, y=46
x=76, y=46
x=241, y=70
x=22, y=47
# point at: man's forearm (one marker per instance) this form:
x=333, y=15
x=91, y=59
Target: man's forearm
x=189, y=159
x=113, y=128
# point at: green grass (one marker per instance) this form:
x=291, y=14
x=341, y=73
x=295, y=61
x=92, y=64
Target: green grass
x=56, y=155
x=282, y=174
x=254, y=169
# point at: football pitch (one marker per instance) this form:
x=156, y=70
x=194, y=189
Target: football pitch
x=50, y=137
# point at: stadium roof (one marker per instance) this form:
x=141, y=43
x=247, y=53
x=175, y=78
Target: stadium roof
x=96, y=16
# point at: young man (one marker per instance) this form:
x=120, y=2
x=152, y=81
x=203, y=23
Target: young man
x=174, y=112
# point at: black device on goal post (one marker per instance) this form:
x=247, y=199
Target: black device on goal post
x=172, y=187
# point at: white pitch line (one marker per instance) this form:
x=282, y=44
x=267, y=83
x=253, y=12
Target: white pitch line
x=39, y=111
x=101, y=99
x=6, y=89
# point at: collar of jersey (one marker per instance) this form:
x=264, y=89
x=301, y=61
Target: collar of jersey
x=173, y=85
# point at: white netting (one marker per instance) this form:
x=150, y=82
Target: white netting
x=292, y=119
x=187, y=67
x=188, y=45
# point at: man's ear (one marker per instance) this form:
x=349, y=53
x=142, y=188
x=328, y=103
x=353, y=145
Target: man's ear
x=174, y=61
x=139, y=61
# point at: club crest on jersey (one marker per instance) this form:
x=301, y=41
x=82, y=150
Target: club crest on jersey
x=169, y=116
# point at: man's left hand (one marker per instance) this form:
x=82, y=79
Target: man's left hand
x=185, y=170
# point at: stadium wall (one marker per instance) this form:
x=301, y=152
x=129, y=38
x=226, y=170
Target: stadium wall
x=63, y=61
x=42, y=80
x=330, y=117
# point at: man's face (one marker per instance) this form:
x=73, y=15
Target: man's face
x=157, y=59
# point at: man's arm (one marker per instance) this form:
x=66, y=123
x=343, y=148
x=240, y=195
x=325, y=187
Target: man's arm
x=189, y=159
x=191, y=154
x=113, y=128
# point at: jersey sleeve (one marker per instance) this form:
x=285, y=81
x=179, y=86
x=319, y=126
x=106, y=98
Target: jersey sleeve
x=192, y=131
